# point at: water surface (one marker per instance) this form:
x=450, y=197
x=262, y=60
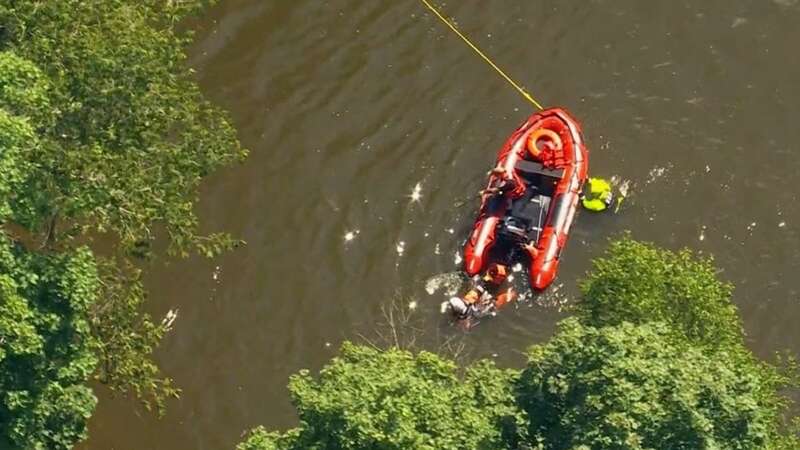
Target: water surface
x=349, y=105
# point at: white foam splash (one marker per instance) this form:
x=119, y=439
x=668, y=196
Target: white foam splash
x=457, y=259
x=169, y=319
x=350, y=235
x=401, y=248
x=449, y=282
x=655, y=173
x=623, y=186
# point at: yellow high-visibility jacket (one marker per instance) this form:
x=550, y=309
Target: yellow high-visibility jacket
x=598, y=196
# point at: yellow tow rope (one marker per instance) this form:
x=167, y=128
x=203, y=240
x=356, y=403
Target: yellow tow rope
x=519, y=88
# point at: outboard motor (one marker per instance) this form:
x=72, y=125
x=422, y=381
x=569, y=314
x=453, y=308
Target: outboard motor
x=514, y=229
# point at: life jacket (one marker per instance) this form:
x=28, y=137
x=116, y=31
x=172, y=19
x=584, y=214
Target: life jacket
x=505, y=298
x=472, y=297
x=496, y=274
x=598, y=196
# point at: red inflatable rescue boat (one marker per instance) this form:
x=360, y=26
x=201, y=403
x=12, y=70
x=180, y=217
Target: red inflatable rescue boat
x=531, y=197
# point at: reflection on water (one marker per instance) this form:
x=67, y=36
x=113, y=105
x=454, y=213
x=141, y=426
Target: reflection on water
x=372, y=128
x=446, y=284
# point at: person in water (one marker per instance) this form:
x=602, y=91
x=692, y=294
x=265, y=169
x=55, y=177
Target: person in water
x=597, y=195
x=472, y=305
x=485, y=296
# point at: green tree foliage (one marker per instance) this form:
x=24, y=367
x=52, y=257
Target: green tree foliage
x=22, y=95
x=24, y=89
x=46, y=347
x=125, y=337
x=130, y=135
x=638, y=282
x=15, y=138
x=367, y=398
x=102, y=129
x=623, y=387
x=640, y=387
x=261, y=439
x=653, y=360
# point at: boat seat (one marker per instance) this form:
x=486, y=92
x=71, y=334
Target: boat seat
x=525, y=167
x=537, y=176
x=542, y=207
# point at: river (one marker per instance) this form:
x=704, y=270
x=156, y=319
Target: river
x=351, y=106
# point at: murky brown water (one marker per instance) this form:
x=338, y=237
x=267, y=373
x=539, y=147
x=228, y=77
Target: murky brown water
x=347, y=105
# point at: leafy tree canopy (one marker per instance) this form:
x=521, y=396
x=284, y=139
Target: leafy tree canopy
x=653, y=360
x=126, y=337
x=640, y=387
x=16, y=137
x=22, y=92
x=102, y=129
x=125, y=135
x=638, y=282
x=624, y=387
x=23, y=88
x=367, y=398
x=46, y=347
